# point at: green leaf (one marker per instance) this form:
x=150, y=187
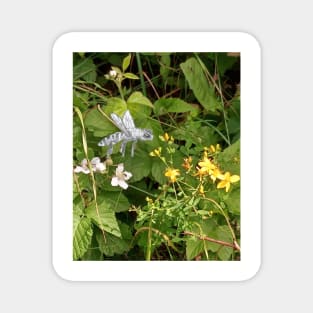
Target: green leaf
x=165, y=63
x=139, y=165
x=130, y=76
x=199, y=85
x=158, y=170
x=107, y=218
x=233, y=201
x=85, y=70
x=81, y=236
x=223, y=233
x=93, y=253
x=111, y=244
x=99, y=124
x=136, y=102
x=229, y=159
x=194, y=247
x=116, y=201
x=126, y=62
x=174, y=105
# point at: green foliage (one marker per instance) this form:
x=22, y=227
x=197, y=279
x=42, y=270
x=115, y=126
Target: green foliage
x=198, y=82
x=178, y=197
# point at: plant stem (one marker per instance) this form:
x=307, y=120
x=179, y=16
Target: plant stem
x=143, y=86
x=94, y=188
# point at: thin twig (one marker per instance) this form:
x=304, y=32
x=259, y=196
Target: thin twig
x=224, y=243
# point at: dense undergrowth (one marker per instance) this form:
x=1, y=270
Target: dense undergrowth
x=178, y=196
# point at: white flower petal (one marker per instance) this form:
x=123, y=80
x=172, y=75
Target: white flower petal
x=85, y=170
x=84, y=163
x=95, y=161
x=127, y=175
x=100, y=167
x=123, y=184
x=78, y=169
x=120, y=168
x=114, y=181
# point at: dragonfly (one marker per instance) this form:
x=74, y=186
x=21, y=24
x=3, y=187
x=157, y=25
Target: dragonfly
x=129, y=132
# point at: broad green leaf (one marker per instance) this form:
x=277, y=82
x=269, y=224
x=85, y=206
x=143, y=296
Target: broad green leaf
x=130, y=76
x=136, y=102
x=233, y=201
x=174, y=105
x=93, y=253
x=126, y=62
x=139, y=165
x=111, y=244
x=116, y=200
x=81, y=236
x=199, y=85
x=223, y=233
x=158, y=170
x=99, y=124
x=85, y=70
x=194, y=247
x=107, y=217
x=229, y=159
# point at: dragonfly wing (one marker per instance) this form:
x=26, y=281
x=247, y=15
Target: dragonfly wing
x=119, y=123
x=128, y=121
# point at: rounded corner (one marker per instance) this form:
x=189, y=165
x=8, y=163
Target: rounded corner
x=252, y=273
x=60, y=273
x=61, y=39
x=251, y=39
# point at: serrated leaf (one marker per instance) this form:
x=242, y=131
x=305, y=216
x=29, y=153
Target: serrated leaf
x=130, y=76
x=199, y=85
x=126, y=62
x=173, y=105
x=111, y=244
x=116, y=200
x=137, y=102
x=81, y=236
x=107, y=218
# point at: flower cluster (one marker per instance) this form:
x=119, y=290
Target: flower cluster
x=96, y=165
x=120, y=177
x=206, y=167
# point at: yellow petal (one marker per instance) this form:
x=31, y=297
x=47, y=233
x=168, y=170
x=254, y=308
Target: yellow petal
x=234, y=178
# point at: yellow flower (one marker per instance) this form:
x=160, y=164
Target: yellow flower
x=226, y=180
x=156, y=152
x=166, y=137
x=216, y=173
x=214, y=149
x=201, y=171
x=207, y=166
x=172, y=174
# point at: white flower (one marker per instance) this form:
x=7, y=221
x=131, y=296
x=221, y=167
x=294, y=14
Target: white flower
x=120, y=177
x=96, y=164
x=112, y=74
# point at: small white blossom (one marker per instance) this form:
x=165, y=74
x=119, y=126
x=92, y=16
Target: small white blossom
x=120, y=177
x=112, y=74
x=96, y=164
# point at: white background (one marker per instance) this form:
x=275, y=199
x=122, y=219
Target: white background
x=28, y=29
